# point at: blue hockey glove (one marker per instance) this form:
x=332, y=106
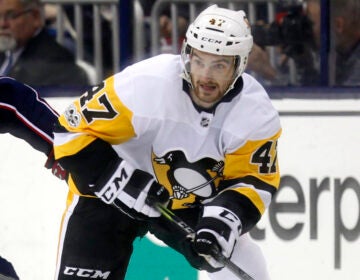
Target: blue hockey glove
x=130, y=189
x=218, y=229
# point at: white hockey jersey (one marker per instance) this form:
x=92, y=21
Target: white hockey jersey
x=145, y=113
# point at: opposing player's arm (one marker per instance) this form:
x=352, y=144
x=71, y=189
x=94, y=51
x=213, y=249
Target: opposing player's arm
x=25, y=115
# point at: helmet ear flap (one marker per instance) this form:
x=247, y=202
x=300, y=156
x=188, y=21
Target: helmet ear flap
x=188, y=49
x=237, y=61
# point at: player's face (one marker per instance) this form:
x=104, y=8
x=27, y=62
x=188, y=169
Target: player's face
x=17, y=24
x=211, y=76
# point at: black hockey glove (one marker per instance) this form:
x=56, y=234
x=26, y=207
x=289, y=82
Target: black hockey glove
x=56, y=168
x=130, y=189
x=217, y=230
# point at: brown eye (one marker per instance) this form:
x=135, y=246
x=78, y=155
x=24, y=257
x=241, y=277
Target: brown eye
x=219, y=66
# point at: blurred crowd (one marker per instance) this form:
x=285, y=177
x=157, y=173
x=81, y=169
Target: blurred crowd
x=287, y=50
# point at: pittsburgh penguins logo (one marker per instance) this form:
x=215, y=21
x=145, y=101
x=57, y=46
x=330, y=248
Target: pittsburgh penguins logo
x=188, y=181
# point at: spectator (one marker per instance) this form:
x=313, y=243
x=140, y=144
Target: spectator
x=28, y=53
x=259, y=63
x=292, y=35
x=88, y=33
x=166, y=27
x=304, y=36
x=313, y=11
x=345, y=30
x=345, y=25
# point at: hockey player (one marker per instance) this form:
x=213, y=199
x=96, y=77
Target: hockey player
x=190, y=131
x=25, y=115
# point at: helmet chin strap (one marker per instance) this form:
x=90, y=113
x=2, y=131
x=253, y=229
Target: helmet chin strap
x=231, y=86
x=236, y=75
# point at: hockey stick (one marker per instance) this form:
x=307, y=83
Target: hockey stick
x=217, y=255
x=218, y=168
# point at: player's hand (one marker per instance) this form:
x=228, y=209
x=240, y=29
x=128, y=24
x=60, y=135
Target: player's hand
x=217, y=230
x=56, y=168
x=129, y=189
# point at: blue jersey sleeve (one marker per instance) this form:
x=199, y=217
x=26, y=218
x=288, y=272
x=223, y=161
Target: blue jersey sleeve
x=25, y=115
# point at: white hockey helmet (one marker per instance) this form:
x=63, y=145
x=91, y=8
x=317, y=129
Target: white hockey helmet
x=219, y=31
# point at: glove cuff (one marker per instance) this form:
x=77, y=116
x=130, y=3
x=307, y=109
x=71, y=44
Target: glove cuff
x=108, y=187
x=226, y=216
x=122, y=184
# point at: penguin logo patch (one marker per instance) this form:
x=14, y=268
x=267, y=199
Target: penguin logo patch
x=188, y=182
